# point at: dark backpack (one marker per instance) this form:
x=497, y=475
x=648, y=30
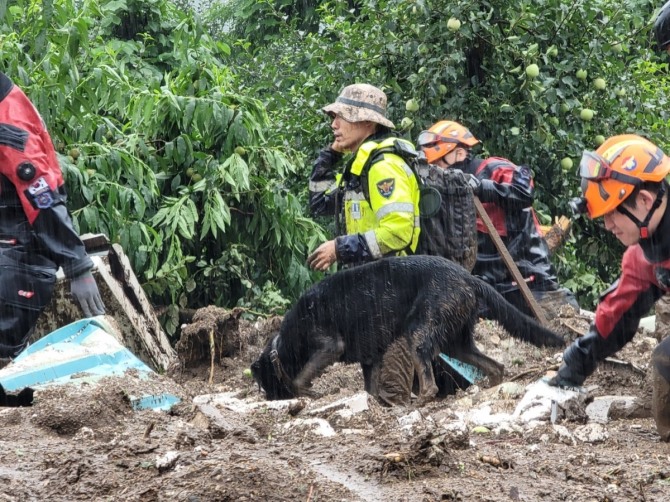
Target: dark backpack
x=446, y=205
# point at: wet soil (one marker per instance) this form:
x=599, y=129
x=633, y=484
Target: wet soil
x=224, y=442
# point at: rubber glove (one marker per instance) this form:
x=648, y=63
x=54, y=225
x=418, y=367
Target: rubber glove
x=85, y=290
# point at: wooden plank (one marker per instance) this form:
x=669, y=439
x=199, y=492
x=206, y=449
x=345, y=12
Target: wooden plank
x=125, y=302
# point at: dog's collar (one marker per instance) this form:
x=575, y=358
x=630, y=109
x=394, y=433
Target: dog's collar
x=276, y=363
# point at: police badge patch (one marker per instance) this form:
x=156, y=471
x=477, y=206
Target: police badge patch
x=386, y=187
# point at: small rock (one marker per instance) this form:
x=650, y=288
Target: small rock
x=167, y=461
x=564, y=435
x=591, y=433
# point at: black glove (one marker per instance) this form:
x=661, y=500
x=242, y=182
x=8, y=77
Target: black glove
x=475, y=183
x=85, y=290
x=663, y=276
x=566, y=378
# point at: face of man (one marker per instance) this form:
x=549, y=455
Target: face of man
x=350, y=135
x=458, y=154
x=625, y=229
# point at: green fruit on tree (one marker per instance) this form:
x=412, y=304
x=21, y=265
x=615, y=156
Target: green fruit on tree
x=554, y=121
x=406, y=123
x=552, y=51
x=581, y=74
x=532, y=70
x=443, y=89
x=196, y=177
x=453, y=24
x=239, y=150
x=620, y=92
x=412, y=105
x=586, y=114
x=599, y=139
x=74, y=153
x=190, y=172
x=600, y=84
x=565, y=108
x=515, y=131
x=506, y=108
x=617, y=47
x=566, y=163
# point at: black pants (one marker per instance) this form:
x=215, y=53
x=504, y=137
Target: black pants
x=25, y=290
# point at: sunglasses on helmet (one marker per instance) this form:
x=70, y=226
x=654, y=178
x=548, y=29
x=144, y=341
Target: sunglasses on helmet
x=428, y=138
x=593, y=167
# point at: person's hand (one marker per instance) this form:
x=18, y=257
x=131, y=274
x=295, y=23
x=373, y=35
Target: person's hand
x=338, y=147
x=475, y=183
x=85, y=290
x=322, y=257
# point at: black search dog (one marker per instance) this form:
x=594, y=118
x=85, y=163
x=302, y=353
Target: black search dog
x=427, y=304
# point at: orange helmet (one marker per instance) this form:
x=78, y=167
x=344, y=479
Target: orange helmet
x=443, y=137
x=611, y=173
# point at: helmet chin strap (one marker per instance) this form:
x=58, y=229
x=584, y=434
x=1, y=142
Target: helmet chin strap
x=644, y=225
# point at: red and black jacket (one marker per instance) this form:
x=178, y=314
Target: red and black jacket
x=645, y=277
x=35, y=227
x=507, y=195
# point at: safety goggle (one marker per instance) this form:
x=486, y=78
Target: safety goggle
x=593, y=167
x=428, y=138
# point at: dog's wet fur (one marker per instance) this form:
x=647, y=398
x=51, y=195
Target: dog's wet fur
x=427, y=303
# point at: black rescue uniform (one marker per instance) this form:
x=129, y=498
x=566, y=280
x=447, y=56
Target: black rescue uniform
x=36, y=232
x=507, y=195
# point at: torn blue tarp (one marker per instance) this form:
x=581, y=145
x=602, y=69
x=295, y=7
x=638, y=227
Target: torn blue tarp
x=471, y=373
x=83, y=351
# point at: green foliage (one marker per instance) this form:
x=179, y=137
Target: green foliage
x=482, y=74
x=162, y=151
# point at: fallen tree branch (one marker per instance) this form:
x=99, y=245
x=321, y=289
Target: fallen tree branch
x=617, y=363
x=535, y=370
x=212, y=353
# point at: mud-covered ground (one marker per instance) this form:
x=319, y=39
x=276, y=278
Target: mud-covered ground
x=229, y=444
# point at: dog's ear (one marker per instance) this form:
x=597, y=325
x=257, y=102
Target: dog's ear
x=22, y=399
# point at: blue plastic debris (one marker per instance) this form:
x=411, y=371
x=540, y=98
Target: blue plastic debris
x=83, y=351
x=471, y=373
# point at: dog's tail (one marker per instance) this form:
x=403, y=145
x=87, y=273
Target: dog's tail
x=517, y=324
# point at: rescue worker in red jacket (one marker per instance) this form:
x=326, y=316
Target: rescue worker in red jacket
x=506, y=192
x=377, y=197
x=624, y=181
x=36, y=231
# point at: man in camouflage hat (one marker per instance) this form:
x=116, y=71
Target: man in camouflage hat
x=377, y=196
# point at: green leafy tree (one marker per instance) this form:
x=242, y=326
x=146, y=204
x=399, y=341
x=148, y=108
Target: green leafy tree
x=162, y=150
x=535, y=80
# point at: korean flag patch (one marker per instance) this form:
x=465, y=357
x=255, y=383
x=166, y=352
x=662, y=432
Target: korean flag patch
x=41, y=194
x=386, y=187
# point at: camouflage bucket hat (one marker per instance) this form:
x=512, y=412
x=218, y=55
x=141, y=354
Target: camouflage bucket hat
x=361, y=102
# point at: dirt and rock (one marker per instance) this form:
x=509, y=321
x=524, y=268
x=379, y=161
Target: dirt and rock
x=224, y=442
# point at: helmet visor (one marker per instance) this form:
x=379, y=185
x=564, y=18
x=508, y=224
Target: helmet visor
x=593, y=167
x=428, y=138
